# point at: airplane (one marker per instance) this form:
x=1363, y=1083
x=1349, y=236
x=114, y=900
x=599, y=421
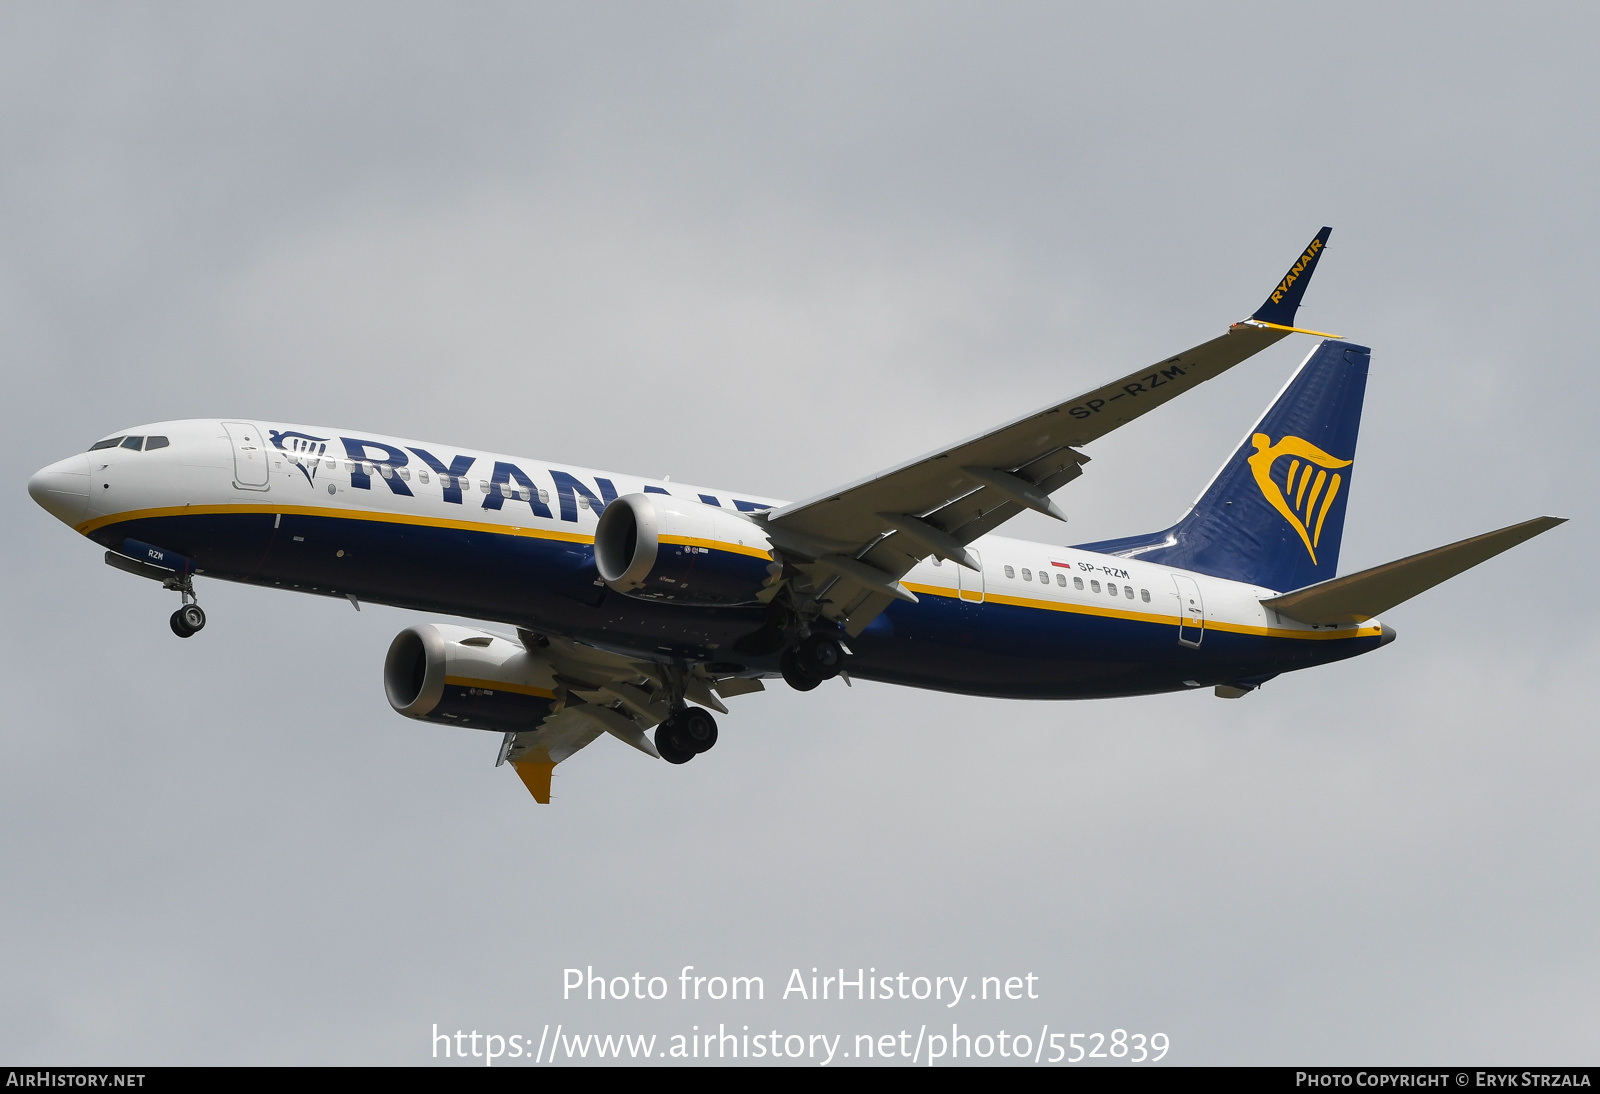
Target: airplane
x=641, y=604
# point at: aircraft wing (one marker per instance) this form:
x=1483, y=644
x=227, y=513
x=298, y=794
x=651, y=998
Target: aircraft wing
x=852, y=545
x=603, y=692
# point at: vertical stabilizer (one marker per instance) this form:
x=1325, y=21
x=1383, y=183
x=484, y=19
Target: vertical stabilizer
x=1274, y=514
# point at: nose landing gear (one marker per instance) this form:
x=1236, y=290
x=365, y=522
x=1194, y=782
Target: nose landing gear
x=187, y=620
x=175, y=572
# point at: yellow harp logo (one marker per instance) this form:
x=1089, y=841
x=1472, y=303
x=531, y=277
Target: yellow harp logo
x=1308, y=489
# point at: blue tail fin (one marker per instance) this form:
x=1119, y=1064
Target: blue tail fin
x=1274, y=515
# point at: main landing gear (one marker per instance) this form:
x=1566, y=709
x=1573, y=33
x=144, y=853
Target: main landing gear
x=189, y=619
x=817, y=658
x=685, y=735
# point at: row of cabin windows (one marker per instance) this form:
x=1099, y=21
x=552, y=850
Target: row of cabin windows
x=1112, y=589
x=136, y=444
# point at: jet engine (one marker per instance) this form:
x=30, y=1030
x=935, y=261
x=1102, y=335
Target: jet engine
x=457, y=676
x=658, y=547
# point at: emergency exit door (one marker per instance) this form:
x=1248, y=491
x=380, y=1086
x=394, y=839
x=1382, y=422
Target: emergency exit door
x=970, y=581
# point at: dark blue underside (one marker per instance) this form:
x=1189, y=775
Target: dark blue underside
x=940, y=643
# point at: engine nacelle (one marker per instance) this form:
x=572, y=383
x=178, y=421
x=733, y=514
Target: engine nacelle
x=457, y=676
x=658, y=547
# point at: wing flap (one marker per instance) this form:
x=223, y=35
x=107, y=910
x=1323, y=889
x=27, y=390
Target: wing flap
x=1359, y=597
x=604, y=692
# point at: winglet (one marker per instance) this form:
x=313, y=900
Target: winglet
x=1279, y=309
x=536, y=777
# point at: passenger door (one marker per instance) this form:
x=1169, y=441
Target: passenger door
x=250, y=456
x=1191, y=611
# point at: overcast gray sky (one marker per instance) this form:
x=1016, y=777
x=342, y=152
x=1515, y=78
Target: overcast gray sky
x=772, y=248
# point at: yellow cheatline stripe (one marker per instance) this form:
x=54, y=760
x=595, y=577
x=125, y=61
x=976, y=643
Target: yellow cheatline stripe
x=1151, y=617
x=717, y=545
x=339, y=514
x=577, y=537
x=415, y=520
x=1291, y=330
x=496, y=685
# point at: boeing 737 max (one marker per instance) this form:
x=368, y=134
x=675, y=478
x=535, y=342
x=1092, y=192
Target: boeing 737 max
x=639, y=603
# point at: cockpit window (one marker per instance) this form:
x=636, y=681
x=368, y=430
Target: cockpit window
x=109, y=442
x=155, y=442
x=135, y=443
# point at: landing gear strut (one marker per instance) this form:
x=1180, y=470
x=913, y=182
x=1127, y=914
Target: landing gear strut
x=685, y=735
x=189, y=619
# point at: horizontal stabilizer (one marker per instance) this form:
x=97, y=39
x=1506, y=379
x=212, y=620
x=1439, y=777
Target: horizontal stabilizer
x=1359, y=597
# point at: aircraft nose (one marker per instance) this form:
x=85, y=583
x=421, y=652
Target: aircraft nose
x=62, y=489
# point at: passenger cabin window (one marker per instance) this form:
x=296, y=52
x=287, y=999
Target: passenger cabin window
x=1061, y=579
x=422, y=476
x=1077, y=583
x=1110, y=588
x=155, y=442
x=1044, y=577
x=1127, y=591
x=1010, y=572
x=1144, y=594
x=1094, y=586
x=109, y=442
x=1027, y=574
